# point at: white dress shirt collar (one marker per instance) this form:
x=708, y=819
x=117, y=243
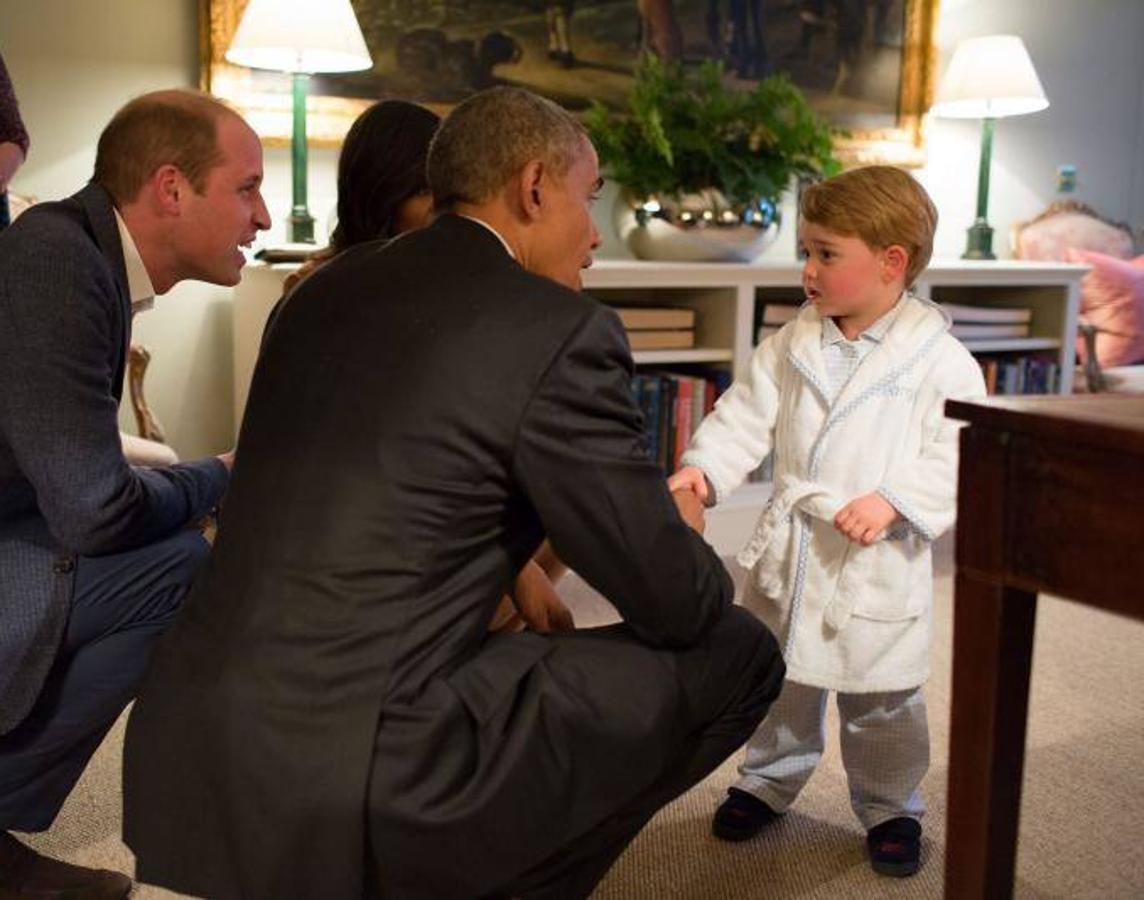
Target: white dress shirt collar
x=832, y=334
x=139, y=286
x=499, y=236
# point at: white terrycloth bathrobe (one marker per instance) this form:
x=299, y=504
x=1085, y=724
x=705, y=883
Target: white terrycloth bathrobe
x=853, y=619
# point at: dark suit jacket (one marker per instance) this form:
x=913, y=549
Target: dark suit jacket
x=65, y=488
x=422, y=413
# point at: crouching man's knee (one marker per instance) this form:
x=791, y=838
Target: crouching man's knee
x=742, y=670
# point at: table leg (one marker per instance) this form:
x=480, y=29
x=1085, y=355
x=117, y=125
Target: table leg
x=993, y=649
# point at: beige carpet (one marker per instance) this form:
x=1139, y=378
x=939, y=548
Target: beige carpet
x=1082, y=827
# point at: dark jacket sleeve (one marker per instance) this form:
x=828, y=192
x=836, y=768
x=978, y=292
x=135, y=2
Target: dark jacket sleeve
x=59, y=335
x=582, y=458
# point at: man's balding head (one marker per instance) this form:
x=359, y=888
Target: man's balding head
x=171, y=127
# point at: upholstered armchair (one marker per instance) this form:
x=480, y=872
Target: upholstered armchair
x=1112, y=294
x=148, y=447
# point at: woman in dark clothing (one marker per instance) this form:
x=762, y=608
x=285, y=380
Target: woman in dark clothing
x=382, y=191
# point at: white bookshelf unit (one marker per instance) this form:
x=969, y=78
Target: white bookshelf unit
x=724, y=297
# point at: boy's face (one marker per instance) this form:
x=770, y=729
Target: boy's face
x=842, y=276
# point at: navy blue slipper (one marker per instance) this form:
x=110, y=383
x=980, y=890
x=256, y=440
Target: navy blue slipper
x=741, y=816
x=895, y=847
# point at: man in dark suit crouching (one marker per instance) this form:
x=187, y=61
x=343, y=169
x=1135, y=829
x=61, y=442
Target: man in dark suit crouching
x=330, y=718
x=95, y=556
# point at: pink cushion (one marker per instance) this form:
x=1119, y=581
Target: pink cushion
x=1052, y=236
x=1112, y=299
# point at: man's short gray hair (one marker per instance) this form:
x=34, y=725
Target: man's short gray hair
x=491, y=136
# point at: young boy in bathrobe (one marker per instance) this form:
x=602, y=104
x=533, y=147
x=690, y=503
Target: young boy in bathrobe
x=850, y=398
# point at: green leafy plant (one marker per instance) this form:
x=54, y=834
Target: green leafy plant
x=686, y=131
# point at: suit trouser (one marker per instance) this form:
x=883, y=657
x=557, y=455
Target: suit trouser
x=885, y=750
x=727, y=683
x=121, y=603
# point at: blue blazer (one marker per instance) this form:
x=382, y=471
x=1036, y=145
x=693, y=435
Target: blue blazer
x=65, y=488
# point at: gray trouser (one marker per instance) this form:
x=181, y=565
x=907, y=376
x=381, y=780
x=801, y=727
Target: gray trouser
x=885, y=750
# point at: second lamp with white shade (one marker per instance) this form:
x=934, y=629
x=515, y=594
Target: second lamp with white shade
x=988, y=78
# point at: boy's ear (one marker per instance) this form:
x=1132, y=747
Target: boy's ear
x=895, y=259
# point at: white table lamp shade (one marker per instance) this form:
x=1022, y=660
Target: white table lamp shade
x=299, y=36
x=989, y=77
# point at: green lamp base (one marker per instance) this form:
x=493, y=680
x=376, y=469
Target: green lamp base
x=300, y=227
x=980, y=242
x=299, y=224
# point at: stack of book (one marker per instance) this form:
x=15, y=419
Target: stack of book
x=980, y=322
x=775, y=316
x=1028, y=374
x=657, y=327
x=673, y=405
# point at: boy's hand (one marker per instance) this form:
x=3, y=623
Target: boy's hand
x=690, y=508
x=689, y=478
x=538, y=603
x=865, y=518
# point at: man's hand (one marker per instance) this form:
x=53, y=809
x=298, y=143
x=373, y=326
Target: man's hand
x=227, y=459
x=538, y=603
x=506, y=618
x=865, y=518
x=690, y=508
x=689, y=478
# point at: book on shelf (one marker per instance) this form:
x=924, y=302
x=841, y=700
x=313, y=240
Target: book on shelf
x=661, y=339
x=673, y=406
x=1028, y=374
x=662, y=318
x=960, y=312
x=979, y=330
x=780, y=313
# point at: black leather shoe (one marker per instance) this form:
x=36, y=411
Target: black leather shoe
x=895, y=847
x=741, y=816
x=26, y=875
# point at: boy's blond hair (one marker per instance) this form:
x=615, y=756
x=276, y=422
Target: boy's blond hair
x=882, y=205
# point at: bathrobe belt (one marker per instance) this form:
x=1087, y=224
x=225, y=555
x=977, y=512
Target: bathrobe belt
x=797, y=496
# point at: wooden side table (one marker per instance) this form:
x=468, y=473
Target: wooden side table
x=1051, y=499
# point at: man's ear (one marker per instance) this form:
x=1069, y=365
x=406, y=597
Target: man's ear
x=168, y=185
x=895, y=260
x=531, y=188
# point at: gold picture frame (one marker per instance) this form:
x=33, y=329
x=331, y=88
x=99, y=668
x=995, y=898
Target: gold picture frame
x=264, y=98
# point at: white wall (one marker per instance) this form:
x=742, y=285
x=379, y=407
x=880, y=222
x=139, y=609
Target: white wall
x=1088, y=56
x=74, y=62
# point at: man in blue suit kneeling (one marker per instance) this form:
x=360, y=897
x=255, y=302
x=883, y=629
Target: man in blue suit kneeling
x=96, y=555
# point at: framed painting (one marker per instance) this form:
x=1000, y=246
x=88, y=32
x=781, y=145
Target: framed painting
x=866, y=66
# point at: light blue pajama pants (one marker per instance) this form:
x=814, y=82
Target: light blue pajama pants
x=885, y=750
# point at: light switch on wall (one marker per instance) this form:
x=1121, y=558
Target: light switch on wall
x=1066, y=178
